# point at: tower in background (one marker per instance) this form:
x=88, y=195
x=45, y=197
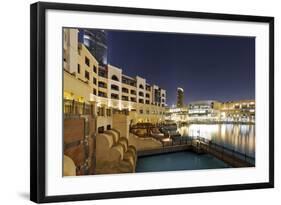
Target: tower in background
x=180, y=97
x=96, y=42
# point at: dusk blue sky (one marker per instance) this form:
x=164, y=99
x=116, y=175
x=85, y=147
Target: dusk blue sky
x=207, y=67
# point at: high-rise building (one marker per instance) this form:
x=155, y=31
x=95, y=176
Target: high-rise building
x=180, y=97
x=96, y=42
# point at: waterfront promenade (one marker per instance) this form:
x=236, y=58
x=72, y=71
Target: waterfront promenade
x=201, y=145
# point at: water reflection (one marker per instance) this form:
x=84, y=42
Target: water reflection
x=234, y=136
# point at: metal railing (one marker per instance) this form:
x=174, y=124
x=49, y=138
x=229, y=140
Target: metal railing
x=177, y=140
x=73, y=107
x=209, y=144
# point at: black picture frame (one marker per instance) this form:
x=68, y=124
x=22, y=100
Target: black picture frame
x=38, y=100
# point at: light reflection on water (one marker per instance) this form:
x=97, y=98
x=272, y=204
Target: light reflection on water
x=234, y=136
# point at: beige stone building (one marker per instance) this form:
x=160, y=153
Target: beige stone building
x=213, y=111
x=106, y=88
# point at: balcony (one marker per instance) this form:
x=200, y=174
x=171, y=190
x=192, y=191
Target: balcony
x=114, y=87
x=114, y=96
x=102, y=94
x=125, y=90
x=125, y=98
x=103, y=72
x=129, y=81
x=141, y=94
x=148, y=88
x=102, y=84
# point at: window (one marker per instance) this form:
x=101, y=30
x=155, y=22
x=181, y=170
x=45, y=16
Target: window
x=114, y=87
x=78, y=68
x=94, y=91
x=100, y=111
x=148, y=88
x=133, y=100
x=94, y=81
x=114, y=96
x=102, y=72
x=140, y=100
x=108, y=112
x=147, y=112
x=141, y=111
x=163, y=95
x=102, y=84
x=129, y=81
x=125, y=90
x=147, y=95
x=126, y=98
x=102, y=94
x=94, y=69
x=87, y=75
x=244, y=106
x=87, y=61
x=108, y=127
x=101, y=129
x=114, y=77
x=252, y=106
x=141, y=86
x=141, y=93
x=147, y=101
x=133, y=92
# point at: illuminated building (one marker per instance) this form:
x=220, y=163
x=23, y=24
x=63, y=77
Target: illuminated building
x=106, y=88
x=241, y=111
x=204, y=110
x=238, y=111
x=177, y=114
x=180, y=97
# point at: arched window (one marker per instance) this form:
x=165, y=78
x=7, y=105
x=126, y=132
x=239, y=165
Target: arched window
x=141, y=86
x=114, y=77
x=141, y=93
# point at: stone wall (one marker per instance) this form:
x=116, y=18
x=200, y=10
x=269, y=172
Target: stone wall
x=143, y=143
x=121, y=123
x=114, y=154
x=79, y=145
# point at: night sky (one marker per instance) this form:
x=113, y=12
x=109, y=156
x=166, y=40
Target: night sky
x=207, y=67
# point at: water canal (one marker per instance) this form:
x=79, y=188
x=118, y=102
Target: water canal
x=239, y=137
x=178, y=161
x=234, y=136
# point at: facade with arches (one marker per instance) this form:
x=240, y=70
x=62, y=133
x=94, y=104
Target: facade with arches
x=107, y=88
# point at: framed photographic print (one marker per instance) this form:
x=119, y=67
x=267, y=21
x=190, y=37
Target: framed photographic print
x=129, y=102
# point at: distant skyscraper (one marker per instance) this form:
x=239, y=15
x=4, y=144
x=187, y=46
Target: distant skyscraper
x=180, y=97
x=96, y=42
